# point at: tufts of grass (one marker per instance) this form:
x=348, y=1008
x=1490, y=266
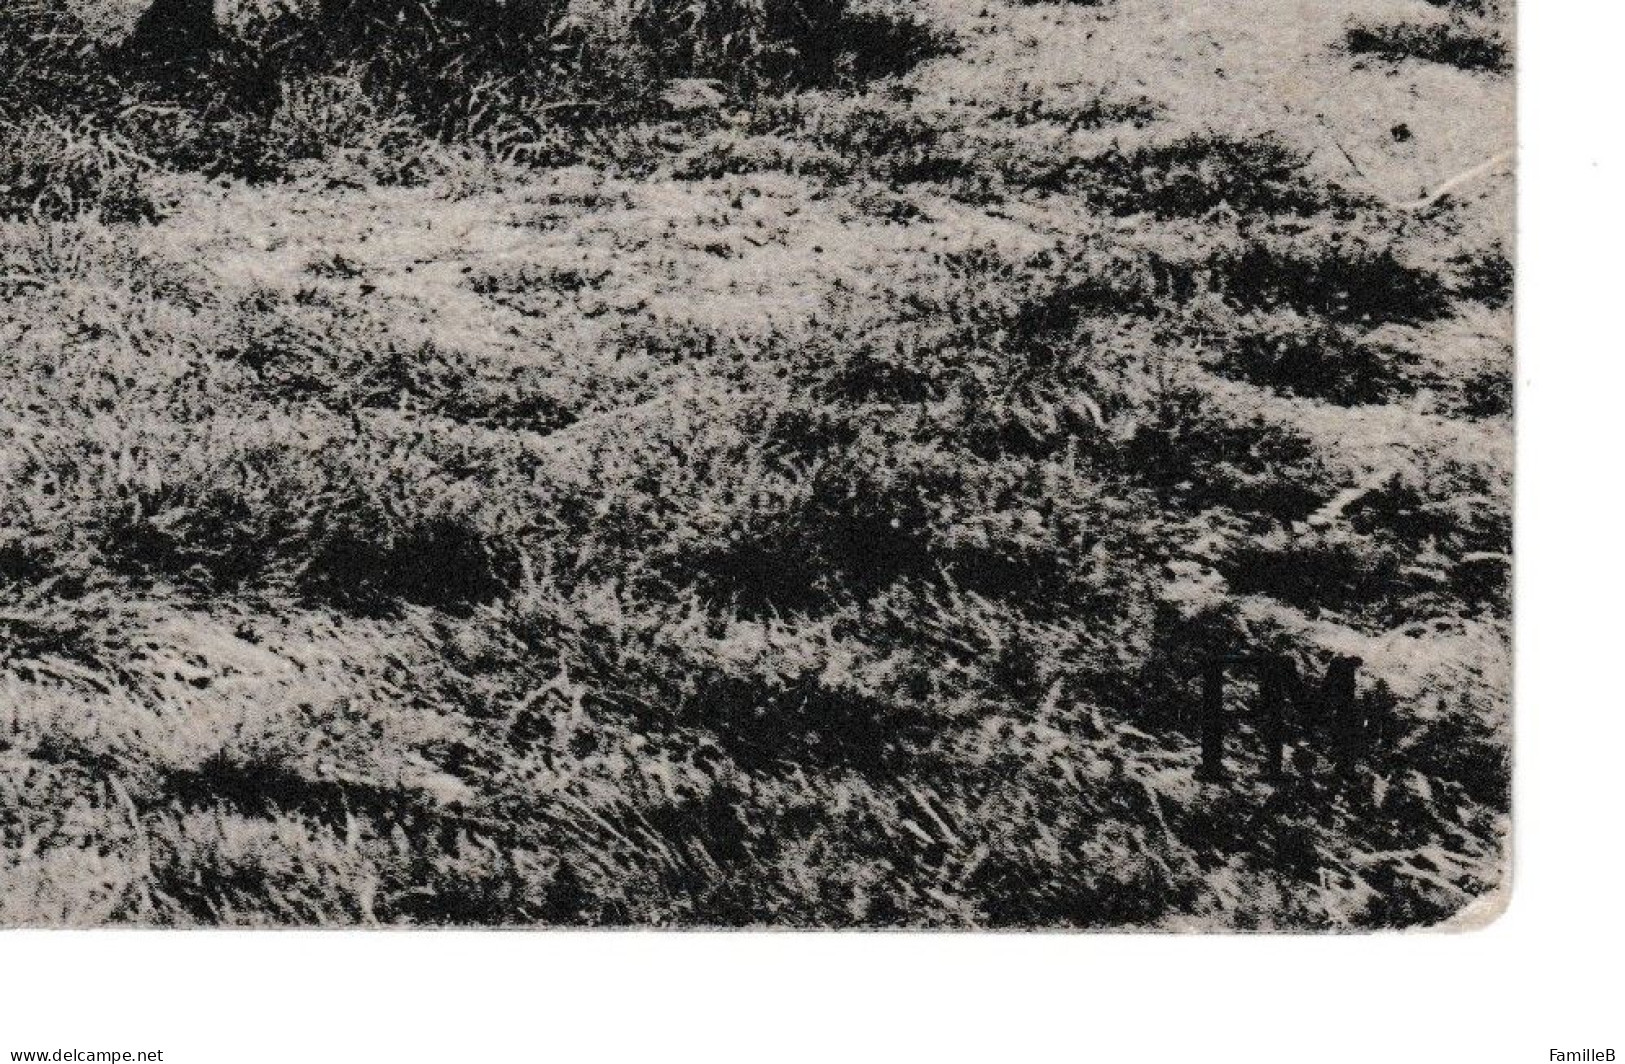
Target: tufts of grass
x=879, y=610
x=382, y=88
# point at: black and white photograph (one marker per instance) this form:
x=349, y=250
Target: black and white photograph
x=745, y=531
x=784, y=464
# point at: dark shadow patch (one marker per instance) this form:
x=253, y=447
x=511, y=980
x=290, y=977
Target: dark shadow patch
x=1313, y=361
x=1354, y=575
x=1198, y=457
x=1346, y=281
x=1453, y=43
x=439, y=562
x=1485, y=276
x=264, y=789
x=806, y=559
x=1400, y=509
x=174, y=32
x=219, y=546
x=786, y=43
x=807, y=722
x=866, y=45
x=1487, y=392
x=1197, y=174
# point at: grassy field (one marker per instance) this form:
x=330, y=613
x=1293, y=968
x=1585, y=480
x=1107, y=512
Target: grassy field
x=743, y=462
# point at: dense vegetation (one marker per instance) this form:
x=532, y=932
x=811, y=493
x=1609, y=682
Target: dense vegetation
x=753, y=460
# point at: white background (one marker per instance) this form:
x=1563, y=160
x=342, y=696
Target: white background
x=1547, y=975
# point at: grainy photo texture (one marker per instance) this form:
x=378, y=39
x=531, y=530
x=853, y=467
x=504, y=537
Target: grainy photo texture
x=786, y=463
